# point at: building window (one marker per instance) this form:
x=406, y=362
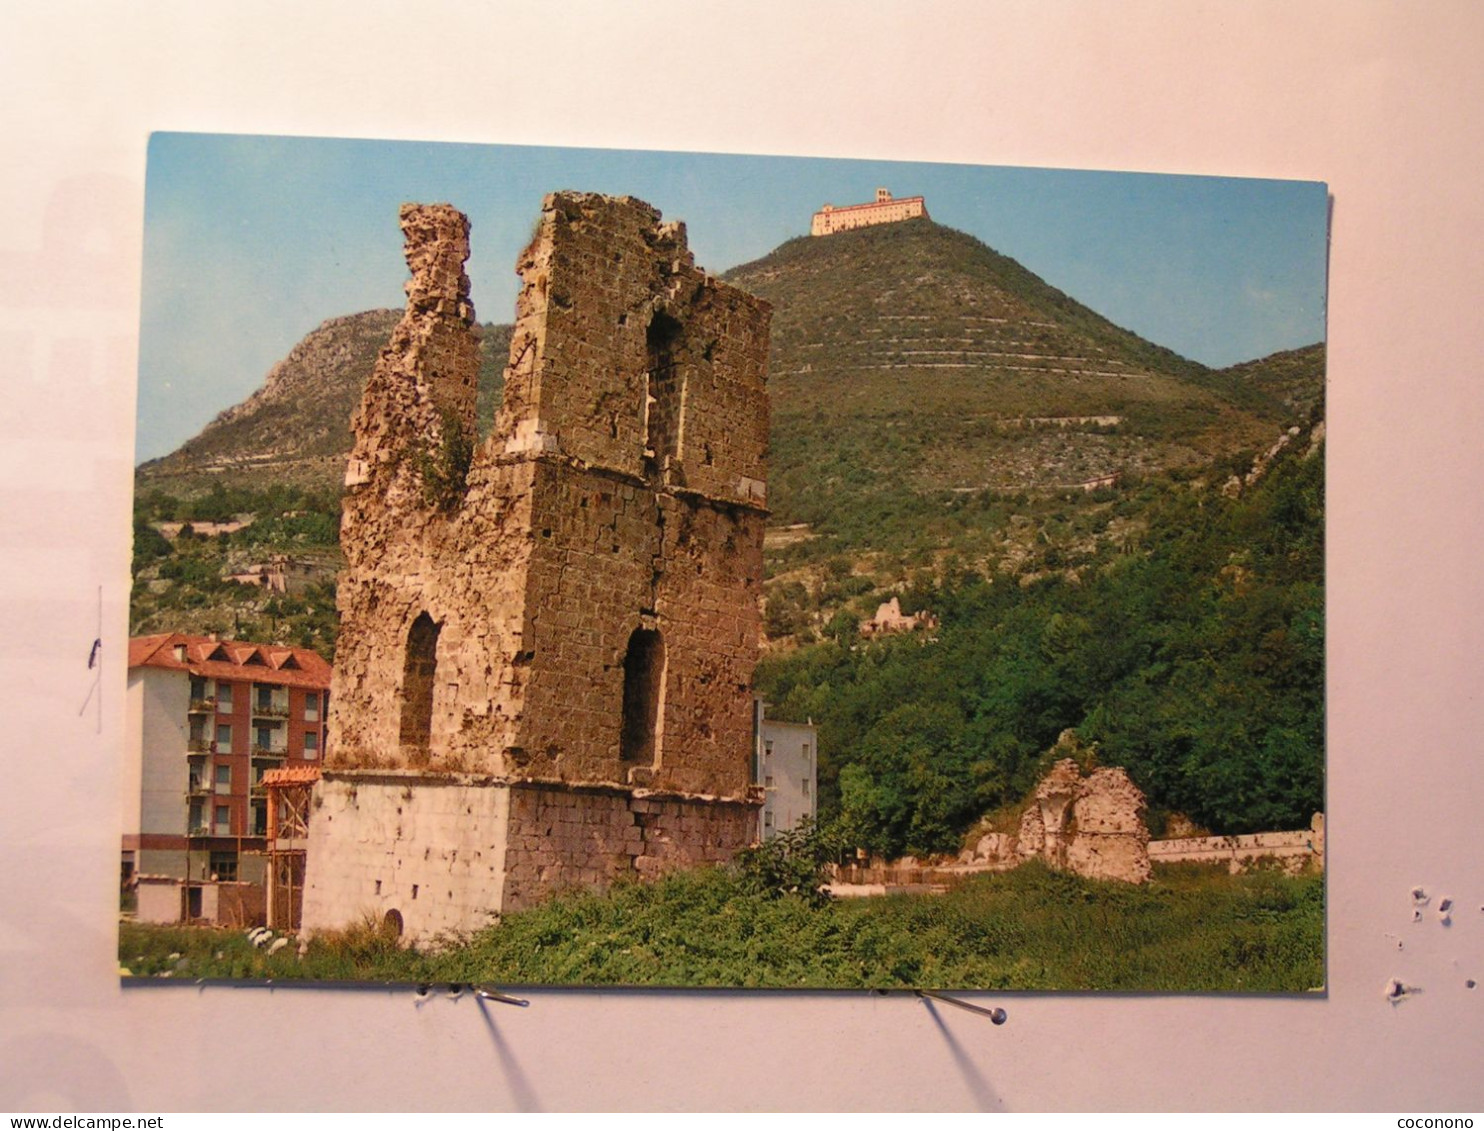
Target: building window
x=221, y=824
x=224, y=779
x=806, y=787
x=198, y=688
x=259, y=818
x=418, y=672
x=224, y=738
x=265, y=739
x=643, y=697
x=224, y=867
x=223, y=698
x=195, y=820
x=311, y=744
x=311, y=707
x=768, y=782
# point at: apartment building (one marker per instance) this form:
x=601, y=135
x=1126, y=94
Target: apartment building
x=786, y=765
x=206, y=719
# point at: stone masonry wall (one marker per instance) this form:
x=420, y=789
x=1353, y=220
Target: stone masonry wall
x=588, y=837
x=621, y=490
x=1294, y=852
x=578, y=606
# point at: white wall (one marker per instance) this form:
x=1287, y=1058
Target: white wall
x=131, y=770
x=164, y=729
x=791, y=765
x=1385, y=101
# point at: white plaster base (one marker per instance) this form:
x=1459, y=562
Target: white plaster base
x=432, y=849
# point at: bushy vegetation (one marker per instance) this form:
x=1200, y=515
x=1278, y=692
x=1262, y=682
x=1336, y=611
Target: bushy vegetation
x=1192, y=654
x=794, y=862
x=1032, y=929
x=445, y=468
x=184, y=585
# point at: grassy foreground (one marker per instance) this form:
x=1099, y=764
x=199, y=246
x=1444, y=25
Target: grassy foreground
x=1190, y=930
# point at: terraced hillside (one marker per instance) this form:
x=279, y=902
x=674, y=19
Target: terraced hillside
x=929, y=359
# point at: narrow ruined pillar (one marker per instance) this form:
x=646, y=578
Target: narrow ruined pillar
x=420, y=397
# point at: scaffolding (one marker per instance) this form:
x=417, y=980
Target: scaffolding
x=289, y=790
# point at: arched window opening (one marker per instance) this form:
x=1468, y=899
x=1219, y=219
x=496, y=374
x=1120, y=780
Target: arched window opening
x=391, y=924
x=417, y=685
x=665, y=399
x=643, y=698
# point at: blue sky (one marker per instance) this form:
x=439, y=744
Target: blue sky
x=251, y=242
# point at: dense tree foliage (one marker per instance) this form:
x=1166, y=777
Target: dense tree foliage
x=1193, y=655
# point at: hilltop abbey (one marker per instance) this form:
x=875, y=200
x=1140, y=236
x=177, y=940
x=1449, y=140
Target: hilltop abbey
x=884, y=210
x=544, y=670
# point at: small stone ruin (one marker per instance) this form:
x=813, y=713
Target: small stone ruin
x=1092, y=825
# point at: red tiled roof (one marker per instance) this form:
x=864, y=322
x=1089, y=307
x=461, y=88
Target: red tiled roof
x=292, y=775
x=231, y=659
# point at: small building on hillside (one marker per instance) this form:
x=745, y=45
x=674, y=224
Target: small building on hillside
x=786, y=765
x=883, y=210
x=207, y=718
x=890, y=618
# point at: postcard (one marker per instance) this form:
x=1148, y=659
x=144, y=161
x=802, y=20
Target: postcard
x=592, y=567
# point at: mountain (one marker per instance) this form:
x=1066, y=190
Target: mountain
x=1294, y=378
x=296, y=428
x=943, y=365
x=935, y=406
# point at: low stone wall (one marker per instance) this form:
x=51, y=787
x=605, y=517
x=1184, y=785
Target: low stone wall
x=1294, y=852
x=561, y=836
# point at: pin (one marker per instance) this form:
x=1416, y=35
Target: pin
x=490, y=993
x=996, y=1015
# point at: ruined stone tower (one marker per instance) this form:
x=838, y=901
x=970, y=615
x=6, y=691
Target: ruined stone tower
x=543, y=676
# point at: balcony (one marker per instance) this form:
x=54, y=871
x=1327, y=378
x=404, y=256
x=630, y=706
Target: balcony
x=198, y=787
x=202, y=705
x=198, y=830
x=275, y=753
x=200, y=745
x=274, y=710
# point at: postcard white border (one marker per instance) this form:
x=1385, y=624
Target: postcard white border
x=1384, y=102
